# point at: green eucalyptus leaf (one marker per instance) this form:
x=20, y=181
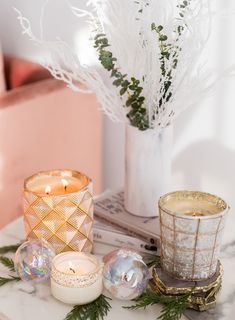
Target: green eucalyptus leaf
x=163, y=38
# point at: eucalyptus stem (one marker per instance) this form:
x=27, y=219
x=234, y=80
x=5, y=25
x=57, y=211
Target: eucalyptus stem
x=167, y=51
x=137, y=112
x=130, y=87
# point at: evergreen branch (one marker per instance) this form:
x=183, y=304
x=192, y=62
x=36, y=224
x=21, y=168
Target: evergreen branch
x=173, y=307
x=11, y=248
x=4, y=281
x=7, y=262
x=153, y=261
x=95, y=310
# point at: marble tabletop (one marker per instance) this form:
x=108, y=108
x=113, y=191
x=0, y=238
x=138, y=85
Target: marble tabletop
x=22, y=301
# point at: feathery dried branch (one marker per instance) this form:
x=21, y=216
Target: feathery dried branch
x=158, y=43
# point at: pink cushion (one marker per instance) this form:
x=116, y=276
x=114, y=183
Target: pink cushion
x=45, y=126
x=20, y=72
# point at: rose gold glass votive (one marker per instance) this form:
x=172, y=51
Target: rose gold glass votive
x=191, y=226
x=58, y=207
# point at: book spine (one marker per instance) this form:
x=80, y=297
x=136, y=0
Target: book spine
x=120, y=240
x=140, y=234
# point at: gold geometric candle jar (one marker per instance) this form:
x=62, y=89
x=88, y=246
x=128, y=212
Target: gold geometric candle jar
x=191, y=226
x=58, y=207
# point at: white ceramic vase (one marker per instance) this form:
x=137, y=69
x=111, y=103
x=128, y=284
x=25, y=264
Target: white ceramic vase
x=148, y=169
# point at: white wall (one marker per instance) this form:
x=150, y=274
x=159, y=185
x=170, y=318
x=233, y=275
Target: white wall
x=204, y=140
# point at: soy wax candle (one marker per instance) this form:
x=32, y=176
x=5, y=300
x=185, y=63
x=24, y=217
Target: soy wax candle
x=76, y=277
x=191, y=224
x=58, y=207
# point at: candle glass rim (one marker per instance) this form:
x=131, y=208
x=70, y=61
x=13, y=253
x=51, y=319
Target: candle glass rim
x=74, y=174
x=191, y=217
x=98, y=263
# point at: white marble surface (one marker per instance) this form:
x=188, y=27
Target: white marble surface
x=21, y=301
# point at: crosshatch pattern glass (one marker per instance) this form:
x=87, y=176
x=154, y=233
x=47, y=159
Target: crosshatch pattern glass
x=190, y=244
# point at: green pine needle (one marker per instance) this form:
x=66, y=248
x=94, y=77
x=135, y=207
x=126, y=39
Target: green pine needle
x=4, y=281
x=7, y=262
x=173, y=308
x=153, y=261
x=95, y=310
x=11, y=248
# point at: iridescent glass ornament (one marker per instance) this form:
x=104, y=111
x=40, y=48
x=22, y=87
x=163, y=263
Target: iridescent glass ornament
x=125, y=274
x=33, y=260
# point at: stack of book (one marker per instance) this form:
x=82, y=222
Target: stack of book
x=115, y=227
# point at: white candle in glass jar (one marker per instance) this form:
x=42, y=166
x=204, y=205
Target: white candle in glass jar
x=58, y=206
x=76, y=277
x=191, y=224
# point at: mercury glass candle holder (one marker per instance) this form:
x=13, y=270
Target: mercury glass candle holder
x=58, y=207
x=191, y=226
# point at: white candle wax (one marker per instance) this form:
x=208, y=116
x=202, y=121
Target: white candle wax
x=77, y=267
x=76, y=277
x=56, y=184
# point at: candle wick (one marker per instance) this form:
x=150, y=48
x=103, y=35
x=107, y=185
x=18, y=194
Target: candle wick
x=72, y=270
x=48, y=190
x=65, y=184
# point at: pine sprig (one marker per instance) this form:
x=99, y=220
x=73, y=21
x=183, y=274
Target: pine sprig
x=4, y=281
x=173, y=308
x=11, y=248
x=7, y=262
x=95, y=310
x=153, y=261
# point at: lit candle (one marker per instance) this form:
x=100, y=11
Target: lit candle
x=47, y=190
x=191, y=226
x=76, y=278
x=65, y=184
x=58, y=206
x=56, y=182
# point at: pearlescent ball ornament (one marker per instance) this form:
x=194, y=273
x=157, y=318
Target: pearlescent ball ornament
x=125, y=274
x=33, y=260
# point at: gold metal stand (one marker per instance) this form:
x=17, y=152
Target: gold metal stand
x=203, y=293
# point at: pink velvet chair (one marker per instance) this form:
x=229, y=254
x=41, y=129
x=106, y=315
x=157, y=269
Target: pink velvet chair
x=44, y=125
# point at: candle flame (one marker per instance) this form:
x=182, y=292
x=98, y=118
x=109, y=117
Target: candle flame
x=48, y=190
x=65, y=183
x=71, y=268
